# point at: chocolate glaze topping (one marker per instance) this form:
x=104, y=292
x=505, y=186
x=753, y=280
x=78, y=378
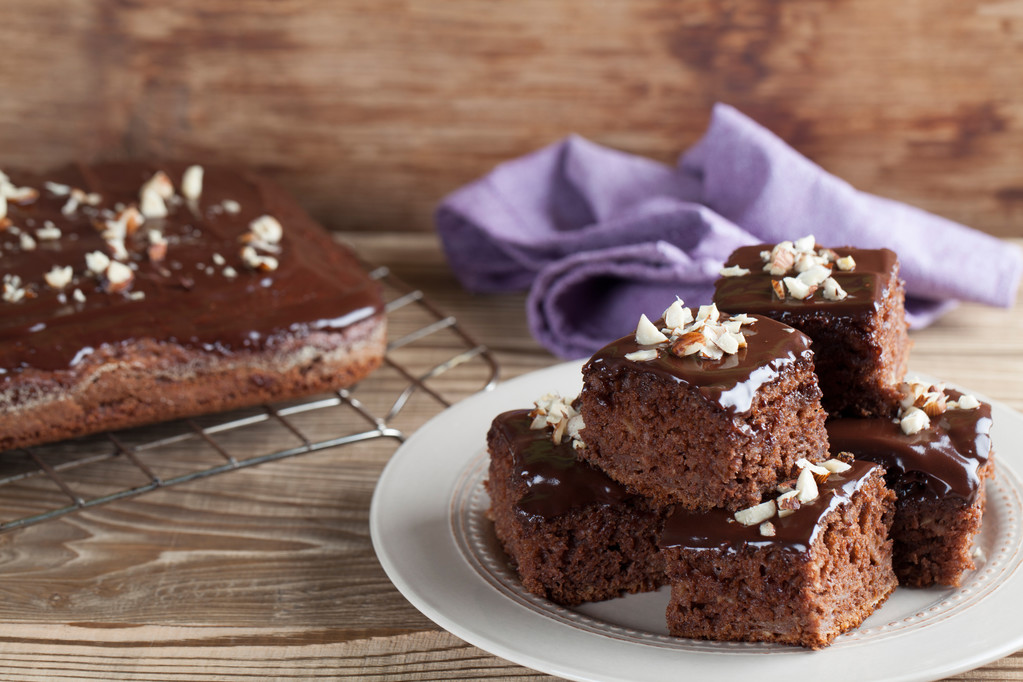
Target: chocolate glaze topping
x=941, y=460
x=718, y=529
x=557, y=482
x=752, y=293
x=188, y=300
x=731, y=381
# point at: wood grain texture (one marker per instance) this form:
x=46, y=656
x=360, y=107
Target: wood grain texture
x=371, y=111
x=269, y=573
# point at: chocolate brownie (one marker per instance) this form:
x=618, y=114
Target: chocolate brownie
x=137, y=292
x=849, y=301
x=938, y=466
x=799, y=579
x=703, y=410
x=572, y=533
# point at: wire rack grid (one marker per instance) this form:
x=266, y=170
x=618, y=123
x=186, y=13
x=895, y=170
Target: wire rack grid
x=417, y=354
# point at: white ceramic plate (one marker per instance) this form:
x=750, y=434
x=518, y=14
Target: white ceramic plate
x=430, y=531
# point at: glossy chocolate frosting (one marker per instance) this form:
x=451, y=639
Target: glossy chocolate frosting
x=732, y=381
x=942, y=460
x=752, y=293
x=557, y=482
x=717, y=529
x=188, y=299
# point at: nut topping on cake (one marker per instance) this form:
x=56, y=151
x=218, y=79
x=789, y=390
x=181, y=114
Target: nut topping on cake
x=813, y=268
x=191, y=183
x=704, y=335
x=756, y=514
x=922, y=401
x=119, y=277
x=59, y=277
x=553, y=411
x=97, y=262
x=733, y=271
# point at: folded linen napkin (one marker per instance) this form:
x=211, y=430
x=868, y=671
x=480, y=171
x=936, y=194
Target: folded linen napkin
x=600, y=236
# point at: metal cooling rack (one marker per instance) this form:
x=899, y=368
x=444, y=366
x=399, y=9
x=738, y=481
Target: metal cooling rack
x=40, y=482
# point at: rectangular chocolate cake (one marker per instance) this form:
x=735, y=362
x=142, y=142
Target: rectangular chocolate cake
x=798, y=573
x=138, y=292
x=937, y=464
x=703, y=410
x=572, y=533
x=849, y=301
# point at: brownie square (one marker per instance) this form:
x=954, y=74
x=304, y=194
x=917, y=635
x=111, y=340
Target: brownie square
x=939, y=474
x=856, y=320
x=699, y=431
x=572, y=533
x=820, y=570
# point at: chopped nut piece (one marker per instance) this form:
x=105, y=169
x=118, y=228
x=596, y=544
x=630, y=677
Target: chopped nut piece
x=779, y=289
x=119, y=277
x=642, y=355
x=160, y=184
x=833, y=291
x=3, y=206
x=59, y=277
x=756, y=514
x=646, y=333
x=97, y=262
x=191, y=182
x=796, y=288
x=48, y=233
x=137, y=295
x=767, y=529
x=836, y=466
x=230, y=272
x=846, y=263
x=788, y=502
x=231, y=206
x=688, y=344
x=913, y=421
x=828, y=254
x=814, y=275
x=967, y=402
x=218, y=260
x=255, y=261
x=78, y=296
x=677, y=315
x=782, y=261
x=267, y=229
x=57, y=189
x=806, y=486
x=26, y=242
x=932, y=403
x=152, y=205
x=157, y=252
x=733, y=271
x=844, y=456
x=808, y=261
x=709, y=313
x=21, y=195
x=728, y=343
x=807, y=243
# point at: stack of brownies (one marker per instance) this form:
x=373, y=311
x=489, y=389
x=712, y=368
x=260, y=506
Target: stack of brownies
x=697, y=455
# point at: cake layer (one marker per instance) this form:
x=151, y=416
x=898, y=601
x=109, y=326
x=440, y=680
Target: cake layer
x=857, y=322
x=939, y=474
x=573, y=534
x=133, y=293
x=699, y=431
x=799, y=579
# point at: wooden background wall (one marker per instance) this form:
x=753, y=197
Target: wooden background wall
x=371, y=110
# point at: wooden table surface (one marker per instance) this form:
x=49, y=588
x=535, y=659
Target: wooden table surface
x=269, y=573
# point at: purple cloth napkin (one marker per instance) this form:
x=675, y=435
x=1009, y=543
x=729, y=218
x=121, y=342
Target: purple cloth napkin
x=599, y=236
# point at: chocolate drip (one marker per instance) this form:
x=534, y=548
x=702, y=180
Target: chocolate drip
x=942, y=460
x=557, y=482
x=718, y=529
x=188, y=300
x=752, y=293
x=731, y=381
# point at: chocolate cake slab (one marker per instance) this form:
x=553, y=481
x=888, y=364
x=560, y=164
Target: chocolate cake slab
x=704, y=428
x=939, y=474
x=850, y=301
x=136, y=292
x=573, y=534
x=800, y=579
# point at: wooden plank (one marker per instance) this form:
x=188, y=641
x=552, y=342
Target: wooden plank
x=372, y=111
